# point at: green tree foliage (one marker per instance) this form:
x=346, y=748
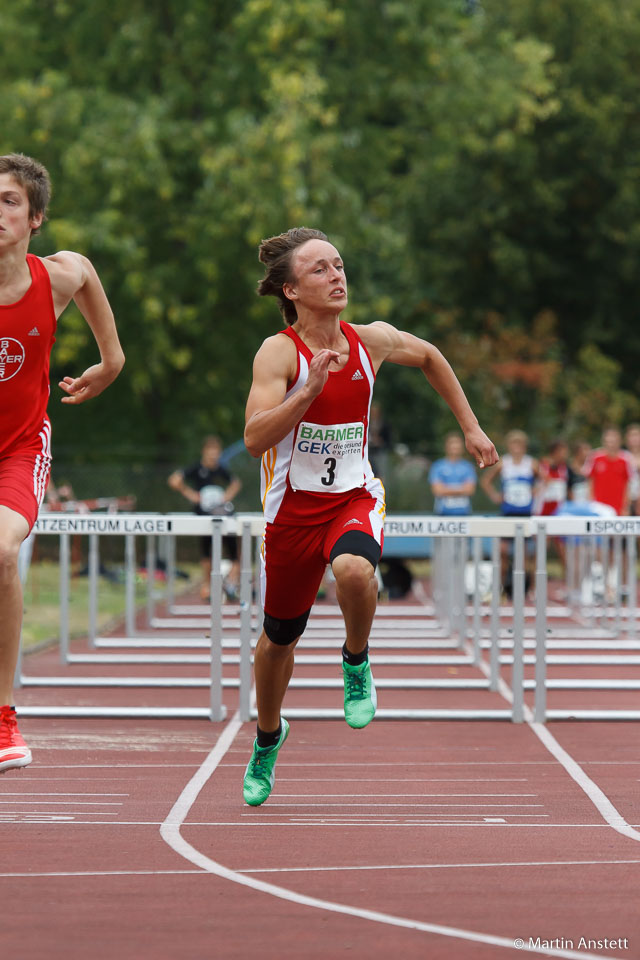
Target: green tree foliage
x=478, y=170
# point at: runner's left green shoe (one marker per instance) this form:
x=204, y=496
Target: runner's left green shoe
x=360, y=699
x=260, y=773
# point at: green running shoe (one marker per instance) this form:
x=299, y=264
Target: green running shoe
x=360, y=698
x=260, y=773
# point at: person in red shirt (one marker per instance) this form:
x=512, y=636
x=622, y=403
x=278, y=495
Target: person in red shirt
x=554, y=479
x=610, y=471
x=34, y=291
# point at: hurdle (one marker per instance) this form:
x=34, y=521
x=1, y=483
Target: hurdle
x=449, y=629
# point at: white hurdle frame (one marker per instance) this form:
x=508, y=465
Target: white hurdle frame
x=453, y=616
x=130, y=526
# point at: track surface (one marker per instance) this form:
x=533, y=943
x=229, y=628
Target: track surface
x=451, y=839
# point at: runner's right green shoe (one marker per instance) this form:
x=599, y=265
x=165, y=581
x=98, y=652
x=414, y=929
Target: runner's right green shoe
x=260, y=773
x=360, y=699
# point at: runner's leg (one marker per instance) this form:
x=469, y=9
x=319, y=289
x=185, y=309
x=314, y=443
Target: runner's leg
x=272, y=667
x=13, y=530
x=357, y=595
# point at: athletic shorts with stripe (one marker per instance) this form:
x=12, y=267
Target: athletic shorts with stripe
x=295, y=556
x=24, y=475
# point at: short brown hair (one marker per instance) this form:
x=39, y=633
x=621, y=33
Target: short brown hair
x=277, y=253
x=31, y=175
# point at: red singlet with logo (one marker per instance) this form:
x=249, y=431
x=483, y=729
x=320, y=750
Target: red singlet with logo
x=27, y=331
x=319, y=465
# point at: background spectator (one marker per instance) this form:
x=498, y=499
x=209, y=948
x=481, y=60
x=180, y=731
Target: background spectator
x=553, y=488
x=632, y=440
x=210, y=487
x=453, y=479
x=610, y=471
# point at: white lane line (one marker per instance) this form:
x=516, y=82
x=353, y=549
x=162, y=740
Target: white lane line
x=394, y=816
x=62, y=803
x=52, y=793
x=253, y=870
x=5, y=816
x=111, y=766
x=105, y=873
x=276, y=803
x=170, y=833
x=348, y=796
x=438, y=866
x=597, y=796
x=285, y=823
x=404, y=763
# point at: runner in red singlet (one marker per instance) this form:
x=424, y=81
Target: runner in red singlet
x=307, y=417
x=33, y=294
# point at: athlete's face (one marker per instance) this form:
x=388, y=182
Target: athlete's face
x=319, y=283
x=15, y=221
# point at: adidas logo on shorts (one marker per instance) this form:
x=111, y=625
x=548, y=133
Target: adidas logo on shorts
x=357, y=376
x=34, y=333
x=354, y=520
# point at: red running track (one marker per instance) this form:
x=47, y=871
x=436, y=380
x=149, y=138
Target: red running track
x=452, y=839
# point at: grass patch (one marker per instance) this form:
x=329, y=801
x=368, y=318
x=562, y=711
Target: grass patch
x=41, y=622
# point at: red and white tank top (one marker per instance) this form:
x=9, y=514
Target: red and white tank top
x=318, y=465
x=27, y=333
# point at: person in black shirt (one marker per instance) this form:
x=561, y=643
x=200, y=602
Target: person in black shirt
x=210, y=487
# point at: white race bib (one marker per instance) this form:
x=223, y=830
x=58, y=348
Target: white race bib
x=517, y=493
x=555, y=491
x=328, y=458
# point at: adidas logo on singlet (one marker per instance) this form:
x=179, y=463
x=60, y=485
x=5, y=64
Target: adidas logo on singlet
x=357, y=376
x=355, y=520
x=34, y=333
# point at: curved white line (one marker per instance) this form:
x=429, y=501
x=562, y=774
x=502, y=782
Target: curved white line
x=170, y=833
x=598, y=798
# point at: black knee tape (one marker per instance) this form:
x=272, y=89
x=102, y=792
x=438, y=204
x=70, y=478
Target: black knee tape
x=359, y=544
x=284, y=632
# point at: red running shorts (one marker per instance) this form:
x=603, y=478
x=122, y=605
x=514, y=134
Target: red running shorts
x=24, y=475
x=295, y=556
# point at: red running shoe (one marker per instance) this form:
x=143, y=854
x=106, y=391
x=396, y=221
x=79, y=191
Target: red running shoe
x=13, y=750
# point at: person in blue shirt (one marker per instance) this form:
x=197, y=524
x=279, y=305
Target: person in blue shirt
x=453, y=479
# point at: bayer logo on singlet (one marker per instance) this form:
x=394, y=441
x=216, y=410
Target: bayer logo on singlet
x=11, y=357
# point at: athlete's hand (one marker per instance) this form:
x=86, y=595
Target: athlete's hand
x=480, y=447
x=319, y=371
x=92, y=382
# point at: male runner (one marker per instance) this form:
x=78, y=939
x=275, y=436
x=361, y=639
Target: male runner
x=33, y=294
x=308, y=416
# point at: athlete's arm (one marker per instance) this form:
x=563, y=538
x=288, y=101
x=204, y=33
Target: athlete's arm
x=269, y=416
x=384, y=342
x=73, y=277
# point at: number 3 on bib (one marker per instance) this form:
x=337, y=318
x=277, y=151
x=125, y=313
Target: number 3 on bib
x=330, y=463
x=328, y=456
